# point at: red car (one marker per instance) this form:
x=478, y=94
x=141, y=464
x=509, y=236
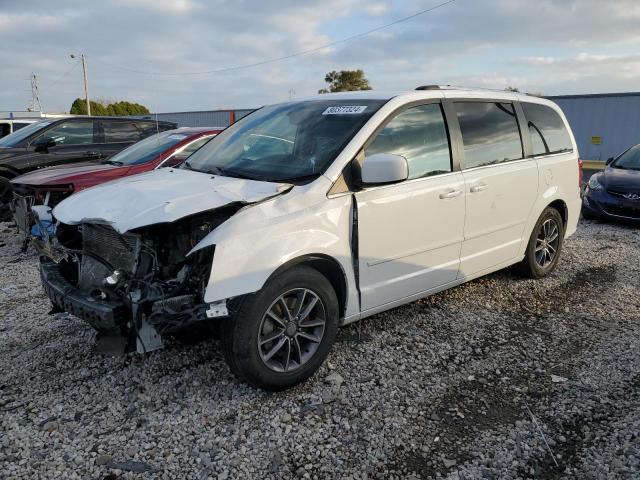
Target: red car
x=49, y=186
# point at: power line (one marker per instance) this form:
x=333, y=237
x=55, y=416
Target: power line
x=75, y=64
x=292, y=55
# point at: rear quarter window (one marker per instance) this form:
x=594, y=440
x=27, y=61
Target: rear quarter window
x=548, y=131
x=490, y=133
x=121, y=132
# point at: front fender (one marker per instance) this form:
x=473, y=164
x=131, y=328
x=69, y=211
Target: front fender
x=254, y=243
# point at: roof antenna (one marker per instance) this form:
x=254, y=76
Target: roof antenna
x=153, y=87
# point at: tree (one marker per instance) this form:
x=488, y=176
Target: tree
x=101, y=108
x=345, y=81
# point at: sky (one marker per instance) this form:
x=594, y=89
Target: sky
x=153, y=51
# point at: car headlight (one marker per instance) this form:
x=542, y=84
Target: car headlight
x=594, y=184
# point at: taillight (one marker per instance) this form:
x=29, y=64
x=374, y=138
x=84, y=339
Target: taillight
x=580, y=173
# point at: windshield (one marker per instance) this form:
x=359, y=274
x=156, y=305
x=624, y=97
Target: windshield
x=16, y=138
x=629, y=160
x=147, y=149
x=286, y=142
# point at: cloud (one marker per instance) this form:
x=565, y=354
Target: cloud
x=171, y=6
x=560, y=46
x=376, y=8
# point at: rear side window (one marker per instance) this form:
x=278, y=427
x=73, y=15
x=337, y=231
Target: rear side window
x=489, y=132
x=121, y=132
x=149, y=128
x=418, y=134
x=72, y=133
x=19, y=125
x=548, y=132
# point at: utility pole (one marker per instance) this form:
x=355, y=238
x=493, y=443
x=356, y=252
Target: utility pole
x=86, y=82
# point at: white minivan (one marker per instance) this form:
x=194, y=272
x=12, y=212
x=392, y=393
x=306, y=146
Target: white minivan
x=307, y=215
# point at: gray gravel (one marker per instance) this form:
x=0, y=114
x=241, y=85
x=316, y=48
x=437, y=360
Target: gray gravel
x=500, y=378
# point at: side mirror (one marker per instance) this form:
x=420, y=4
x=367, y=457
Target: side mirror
x=609, y=160
x=383, y=168
x=44, y=143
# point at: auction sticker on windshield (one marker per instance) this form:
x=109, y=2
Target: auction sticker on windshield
x=345, y=109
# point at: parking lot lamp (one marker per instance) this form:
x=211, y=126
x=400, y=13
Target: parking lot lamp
x=86, y=82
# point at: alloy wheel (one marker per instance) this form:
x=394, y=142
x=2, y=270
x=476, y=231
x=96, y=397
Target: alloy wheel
x=291, y=330
x=547, y=242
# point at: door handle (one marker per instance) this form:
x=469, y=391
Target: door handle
x=478, y=188
x=451, y=194
x=92, y=153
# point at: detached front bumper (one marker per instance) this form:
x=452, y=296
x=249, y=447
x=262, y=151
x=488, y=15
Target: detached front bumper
x=104, y=315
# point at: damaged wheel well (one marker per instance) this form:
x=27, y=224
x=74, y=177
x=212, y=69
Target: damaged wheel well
x=328, y=267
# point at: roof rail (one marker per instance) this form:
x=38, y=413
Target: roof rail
x=428, y=87
x=456, y=87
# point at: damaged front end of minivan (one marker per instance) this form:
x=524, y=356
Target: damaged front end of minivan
x=137, y=286
x=140, y=285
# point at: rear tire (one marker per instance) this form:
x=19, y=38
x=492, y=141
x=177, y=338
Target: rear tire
x=281, y=334
x=545, y=245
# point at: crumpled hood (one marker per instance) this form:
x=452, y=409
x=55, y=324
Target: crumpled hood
x=161, y=196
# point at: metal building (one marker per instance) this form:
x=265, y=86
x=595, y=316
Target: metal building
x=203, y=118
x=604, y=124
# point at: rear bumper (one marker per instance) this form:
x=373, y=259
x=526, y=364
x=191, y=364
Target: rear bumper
x=104, y=315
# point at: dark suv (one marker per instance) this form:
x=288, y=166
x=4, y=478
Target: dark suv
x=67, y=140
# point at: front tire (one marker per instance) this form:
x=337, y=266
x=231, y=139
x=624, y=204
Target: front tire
x=545, y=245
x=280, y=335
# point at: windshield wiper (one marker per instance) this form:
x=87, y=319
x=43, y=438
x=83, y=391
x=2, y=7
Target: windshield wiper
x=187, y=166
x=223, y=172
x=113, y=162
x=301, y=178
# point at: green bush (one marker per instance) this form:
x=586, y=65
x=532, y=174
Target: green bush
x=117, y=109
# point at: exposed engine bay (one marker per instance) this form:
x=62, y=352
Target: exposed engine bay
x=139, y=285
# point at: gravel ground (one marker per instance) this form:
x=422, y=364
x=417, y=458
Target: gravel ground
x=500, y=378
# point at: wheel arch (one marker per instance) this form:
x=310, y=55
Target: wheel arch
x=562, y=209
x=558, y=204
x=327, y=266
x=8, y=173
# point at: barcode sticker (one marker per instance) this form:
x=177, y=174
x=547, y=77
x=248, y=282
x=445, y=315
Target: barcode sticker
x=345, y=110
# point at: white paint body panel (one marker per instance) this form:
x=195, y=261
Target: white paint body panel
x=252, y=244
x=499, y=200
x=410, y=238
